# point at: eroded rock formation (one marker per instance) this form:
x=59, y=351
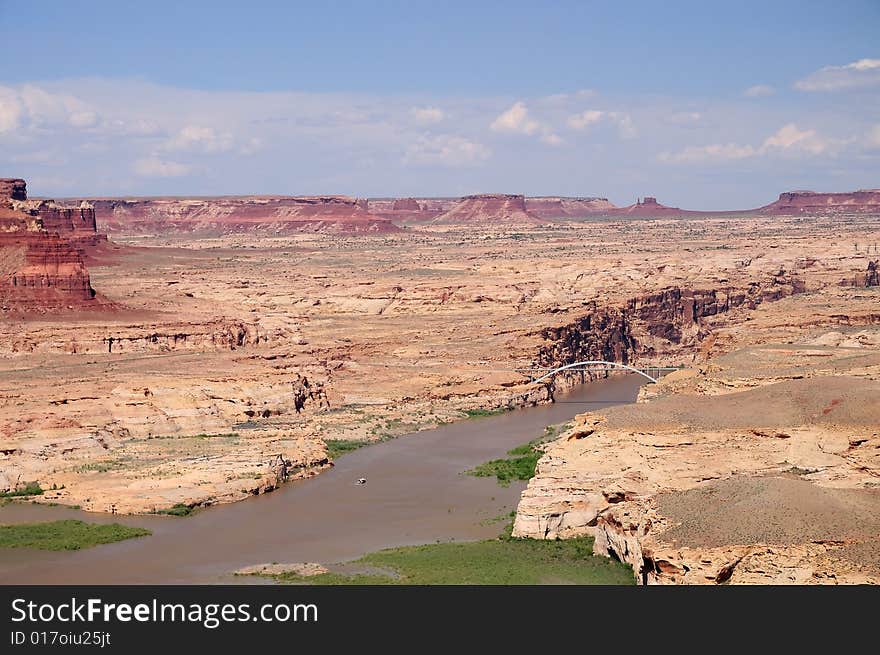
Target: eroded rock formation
x=563, y=207
x=41, y=266
x=249, y=214
x=668, y=323
x=489, y=208
x=810, y=202
x=759, y=467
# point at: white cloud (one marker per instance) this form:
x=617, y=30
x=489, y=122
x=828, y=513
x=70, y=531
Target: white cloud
x=446, y=150
x=790, y=137
x=155, y=167
x=856, y=75
x=712, y=152
x=517, y=120
x=10, y=110
x=584, y=119
x=873, y=137
x=204, y=139
x=428, y=115
x=788, y=140
x=759, y=91
x=686, y=118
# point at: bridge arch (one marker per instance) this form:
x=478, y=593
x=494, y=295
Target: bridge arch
x=593, y=362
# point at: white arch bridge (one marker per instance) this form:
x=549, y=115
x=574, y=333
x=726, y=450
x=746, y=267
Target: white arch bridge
x=598, y=365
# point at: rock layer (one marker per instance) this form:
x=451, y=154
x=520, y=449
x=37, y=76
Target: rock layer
x=493, y=208
x=41, y=266
x=230, y=215
x=759, y=467
x=810, y=202
x=564, y=207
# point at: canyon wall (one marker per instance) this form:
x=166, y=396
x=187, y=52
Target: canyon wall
x=656, y=327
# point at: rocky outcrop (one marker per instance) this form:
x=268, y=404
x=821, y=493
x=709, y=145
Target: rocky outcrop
x=649, y=207
x=493, y=208
x=248, y=214
x=41, y=265
x=668, y=323
x=870, y=278
x=563, y=207
x=865, y=201
x=13, y=189
x=720, y=478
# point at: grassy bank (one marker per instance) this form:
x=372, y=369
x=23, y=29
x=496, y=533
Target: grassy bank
x=31, y=489
x=521, y=461
x=65, y=535
x=503, y=561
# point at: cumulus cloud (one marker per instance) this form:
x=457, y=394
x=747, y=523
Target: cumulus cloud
x=625, y=127
x=517, y=120
x=788, y=140
x=759, y=91
x=586, y=118
x=204, y=139
x=428, y=115
x=31, y=106
x=10, y=110
x=155, y=167
x=446, y=150
x=856, y=75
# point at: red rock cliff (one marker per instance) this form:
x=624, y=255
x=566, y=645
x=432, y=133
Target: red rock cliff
x=562, y=207
x=40, y=267
x=802, y=202
x=489, y=208
x=225, y=215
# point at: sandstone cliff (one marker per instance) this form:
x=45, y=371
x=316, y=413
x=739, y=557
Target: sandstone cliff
x=229, y=215
x=562, y=207
x=41, y=266
x=807, y=202
x=759, y=467
x=493, y=208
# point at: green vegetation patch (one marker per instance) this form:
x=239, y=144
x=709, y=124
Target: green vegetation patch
x=30, y=489
x=481, y=413
x=180, y=509
x=65, y=535
x=338, y=447
x=521, y=461
x=504, y=561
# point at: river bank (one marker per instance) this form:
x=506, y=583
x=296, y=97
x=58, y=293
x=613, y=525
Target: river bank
x=417, y=492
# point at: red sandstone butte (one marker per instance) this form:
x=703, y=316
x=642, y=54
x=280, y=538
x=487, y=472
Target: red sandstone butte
x=238, y=214
x=864, y=201
x=563, y=207
x=41, y=266
x=489, y=208
x=649, y=207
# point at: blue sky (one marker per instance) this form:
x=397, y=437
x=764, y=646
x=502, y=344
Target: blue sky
x=705, y=105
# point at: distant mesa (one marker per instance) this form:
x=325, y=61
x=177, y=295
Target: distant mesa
x=41, y=253
x=564, y=207
x=274, y=215
x=805, y=202
x=491, y=208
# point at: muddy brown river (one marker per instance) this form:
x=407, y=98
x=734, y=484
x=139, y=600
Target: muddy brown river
x=415, y=493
